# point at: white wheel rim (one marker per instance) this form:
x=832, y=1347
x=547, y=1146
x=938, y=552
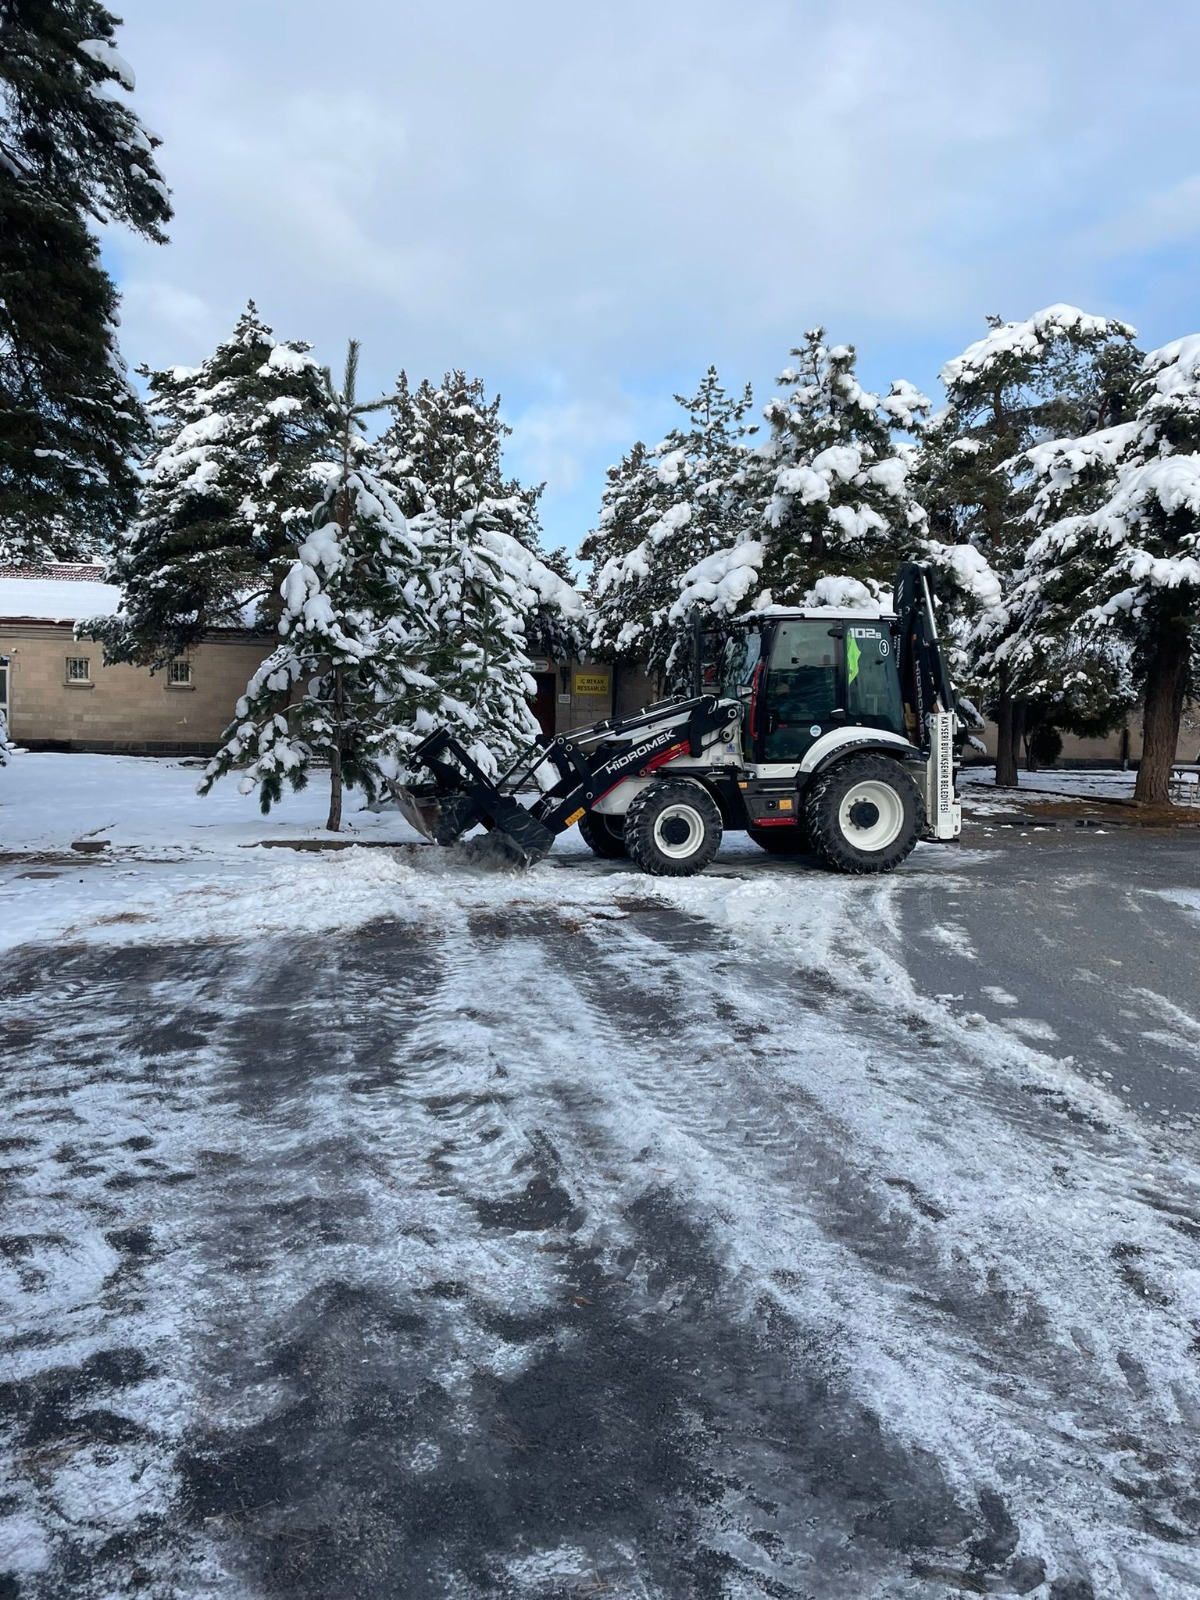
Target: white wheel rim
x=854, y=819
x=680, y=812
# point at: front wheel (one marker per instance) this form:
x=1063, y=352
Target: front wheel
x=604, y=836
x=864, y=815
x=672, y=829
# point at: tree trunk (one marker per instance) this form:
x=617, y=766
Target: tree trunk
x=334, y=821
x=1162, y=710
x=1020, y=723
x=1008, y=736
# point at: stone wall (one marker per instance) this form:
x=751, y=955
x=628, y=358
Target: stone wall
x=1110, y=751
x=119, y=708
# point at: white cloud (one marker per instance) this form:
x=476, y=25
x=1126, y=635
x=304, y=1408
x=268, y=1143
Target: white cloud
x=619, y=194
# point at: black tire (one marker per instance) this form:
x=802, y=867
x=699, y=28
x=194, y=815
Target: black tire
x=604, y=836
x=792, y=841
x=672, y=828
x=890, y=814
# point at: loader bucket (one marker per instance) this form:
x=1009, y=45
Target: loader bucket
x=420, y=811
x=513, y=837
x=462, y=797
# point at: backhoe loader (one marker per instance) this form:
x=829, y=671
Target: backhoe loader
x=829, y=732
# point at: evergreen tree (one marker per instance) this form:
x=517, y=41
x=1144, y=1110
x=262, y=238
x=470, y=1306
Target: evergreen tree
x=691, y=507
x=443, y=458
x=826, y=511
x=70, y=151
x=557, y=626
x=1059, y=372
x=352, y=681
x=628, y=507
x=228, y=489
x=1118, y=555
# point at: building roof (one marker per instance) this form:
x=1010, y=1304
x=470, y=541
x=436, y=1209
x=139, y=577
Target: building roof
x=58, y=592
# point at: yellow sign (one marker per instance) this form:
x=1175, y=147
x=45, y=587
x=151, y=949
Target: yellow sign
x=591, y=683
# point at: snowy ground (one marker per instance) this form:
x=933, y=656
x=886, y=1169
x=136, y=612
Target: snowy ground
x=374, y=1226
x=977, y=785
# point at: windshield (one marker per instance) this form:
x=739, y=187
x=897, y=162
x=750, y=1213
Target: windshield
x=741, y=656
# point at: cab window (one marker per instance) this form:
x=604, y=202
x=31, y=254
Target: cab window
x=740, y=657
x=801, y=688
x=872, y=682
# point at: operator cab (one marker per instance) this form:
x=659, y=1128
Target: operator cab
x=803, y=674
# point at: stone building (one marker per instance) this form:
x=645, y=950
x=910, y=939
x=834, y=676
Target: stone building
x=57, y=694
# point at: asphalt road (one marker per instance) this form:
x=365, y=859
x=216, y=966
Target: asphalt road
x=1074, y=925
x=538, y=1257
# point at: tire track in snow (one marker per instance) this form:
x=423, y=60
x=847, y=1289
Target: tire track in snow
x=449, y=1331
x=1009, y=1328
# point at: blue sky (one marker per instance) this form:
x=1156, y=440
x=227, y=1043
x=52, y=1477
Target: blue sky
x=587, y=206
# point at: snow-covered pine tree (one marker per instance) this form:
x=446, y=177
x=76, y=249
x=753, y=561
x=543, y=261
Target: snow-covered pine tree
x=628, y=507
x=826, y=508
x=71, y=152
x=690, y=507
x=352, y=682
x=557, y=627
x=227, y=490
x=442, y=455
x=1057, y=373
x=1117, y=557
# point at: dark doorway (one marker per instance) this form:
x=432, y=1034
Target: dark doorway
x=545, y=702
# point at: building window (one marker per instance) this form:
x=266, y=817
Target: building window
x=79, y=669
x=180, y=671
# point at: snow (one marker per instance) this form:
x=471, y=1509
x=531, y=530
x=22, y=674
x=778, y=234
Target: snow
x=1026, y=340
x=975, y=576
x=721, y=581
x=56, y=599
x=803, y=483
x=1174, y=371
x=1069, y=783
x=106, y=55
x=917, y=1230
x=839, y=461
x=905, y=404
x=843, y=594
x=857, y=521
x=1173, y=481
x=284, y=358
x=523, y=567
x=1062, y=460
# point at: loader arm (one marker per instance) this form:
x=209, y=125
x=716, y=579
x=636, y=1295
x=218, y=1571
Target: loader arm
x=586, y=765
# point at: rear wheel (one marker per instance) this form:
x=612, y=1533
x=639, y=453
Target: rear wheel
x=672, y=829
x=604, y=836
x=786, y=841
x=865, y=815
